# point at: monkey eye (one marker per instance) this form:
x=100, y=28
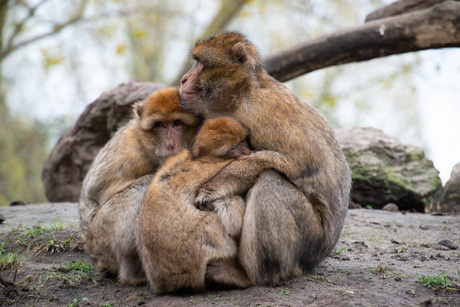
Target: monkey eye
x=177, y=123
x=158, y=125
x=200, y=65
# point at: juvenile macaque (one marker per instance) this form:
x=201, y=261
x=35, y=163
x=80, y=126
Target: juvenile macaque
x=182, y=247
x=296, y=209
x=116, y=182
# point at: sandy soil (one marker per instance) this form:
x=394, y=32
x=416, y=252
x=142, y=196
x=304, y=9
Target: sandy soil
x=382, y=259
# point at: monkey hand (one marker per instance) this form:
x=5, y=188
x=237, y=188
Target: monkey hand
x=205, y=198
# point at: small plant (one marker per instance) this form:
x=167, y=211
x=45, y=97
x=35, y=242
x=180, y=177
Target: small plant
x=33, y=231
x=381, y=271
x=39, y=229
x=440, y=281
x=315, y=278
x=85, y=271
x=55, y=246
x=14, y=229
x=8, y=260
x=340, y=250
x=74, y=303
x=100, y=301
x=78, y=266
x=401, y=250
x=142, y=293
x=284, y=292
x=53, y=226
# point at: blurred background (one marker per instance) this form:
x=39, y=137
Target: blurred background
x=59, y=56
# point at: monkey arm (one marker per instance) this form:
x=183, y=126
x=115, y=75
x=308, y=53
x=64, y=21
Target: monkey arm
x=237, y=177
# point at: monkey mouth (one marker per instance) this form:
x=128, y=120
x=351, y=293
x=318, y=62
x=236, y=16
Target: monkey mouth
x=188, y=93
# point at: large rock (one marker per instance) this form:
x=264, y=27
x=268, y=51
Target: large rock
x=71, y=157
x=386, y=171
x=450, y=199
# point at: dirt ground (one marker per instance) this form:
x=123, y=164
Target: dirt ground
x=383, y=259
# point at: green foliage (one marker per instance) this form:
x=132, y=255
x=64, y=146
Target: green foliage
x=23, y=149
x=8, y=260
x=440, y=281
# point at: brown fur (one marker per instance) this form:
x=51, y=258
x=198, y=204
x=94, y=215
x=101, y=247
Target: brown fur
x=192, y=240
x=115, y=184
x=294, y=212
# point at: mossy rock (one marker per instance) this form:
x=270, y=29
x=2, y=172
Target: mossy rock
x=387, y=171
x=450, y=198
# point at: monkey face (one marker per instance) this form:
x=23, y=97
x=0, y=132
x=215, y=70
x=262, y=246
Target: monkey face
x=226, y=67
x=166, y=126
x=222, y=137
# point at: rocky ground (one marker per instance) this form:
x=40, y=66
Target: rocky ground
x=383, y=259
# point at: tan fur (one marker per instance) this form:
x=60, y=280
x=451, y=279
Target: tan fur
x=294, y=212
x=191, y=240
x=116, y=182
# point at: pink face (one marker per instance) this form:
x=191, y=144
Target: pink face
x=170, y=135
x=188, y=90
x=240, y=151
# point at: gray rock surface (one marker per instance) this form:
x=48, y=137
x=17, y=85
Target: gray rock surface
x=450, y=199
x=387, y=171
x=390, y=207
x=71, y=157
x=33, y=214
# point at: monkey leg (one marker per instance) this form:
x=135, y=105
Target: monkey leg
x=227, y=272
x=282, y=234
x=230, y=211
x=123, y=240
x=110, y=239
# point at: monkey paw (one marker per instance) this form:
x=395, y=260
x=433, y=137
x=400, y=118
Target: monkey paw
x=204, y=200
x=205, y=206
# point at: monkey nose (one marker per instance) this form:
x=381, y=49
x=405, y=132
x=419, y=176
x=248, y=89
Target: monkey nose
x=183, y=80
x=172, y=149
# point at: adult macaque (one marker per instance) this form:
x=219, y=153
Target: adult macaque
x=177, y=243
x=294, y=212
x=116, y=182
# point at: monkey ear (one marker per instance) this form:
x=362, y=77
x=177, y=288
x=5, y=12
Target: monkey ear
x=138, y=109
x=242, y=53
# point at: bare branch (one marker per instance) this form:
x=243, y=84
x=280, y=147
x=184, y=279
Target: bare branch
x=3, y=10
x=436, y=27
x=10, y=47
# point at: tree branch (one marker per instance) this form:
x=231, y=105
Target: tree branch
x=10, y=47
x=401, y=7
x=436, y=27
x=17, y=29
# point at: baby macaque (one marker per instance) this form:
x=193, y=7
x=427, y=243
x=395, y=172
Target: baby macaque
x=182, y=247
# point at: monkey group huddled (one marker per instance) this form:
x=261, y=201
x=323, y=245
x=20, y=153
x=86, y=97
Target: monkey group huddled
x=261, y=196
